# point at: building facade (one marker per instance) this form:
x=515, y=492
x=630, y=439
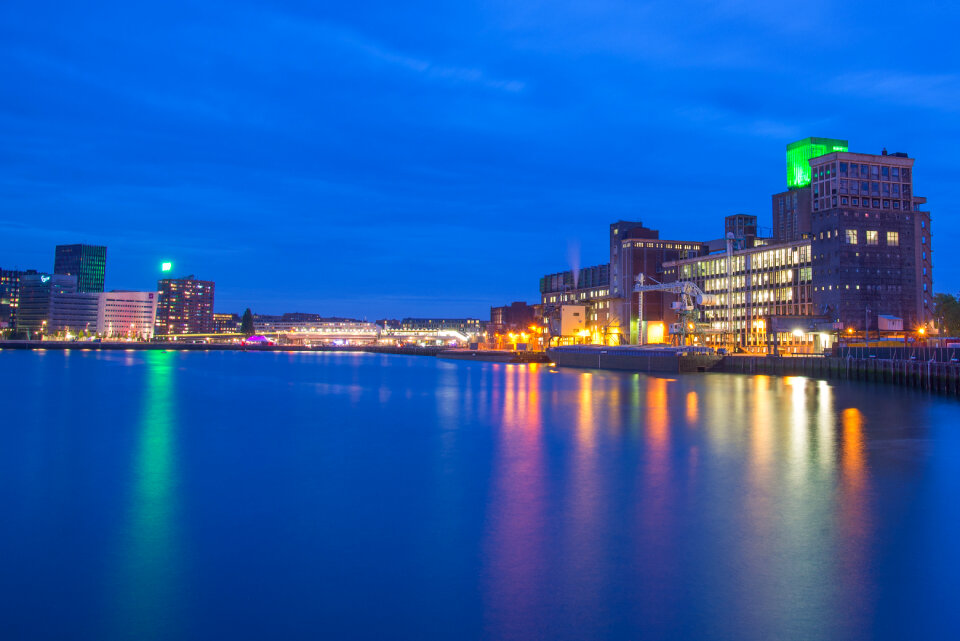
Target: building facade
x=122, y=314
x=87, y=262
x=185, y=306
x=37, y=293
x=636, y=250
x=870, y=241
x=751, y=288
x=226, y=323
x=10, y=295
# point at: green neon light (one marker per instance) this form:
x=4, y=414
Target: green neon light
x=799, y=154
x=166, y=267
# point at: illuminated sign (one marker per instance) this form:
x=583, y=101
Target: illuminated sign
x=44, y=278
x=165, y=267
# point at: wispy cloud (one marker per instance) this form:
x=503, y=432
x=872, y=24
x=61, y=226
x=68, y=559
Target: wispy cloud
x=930, y=91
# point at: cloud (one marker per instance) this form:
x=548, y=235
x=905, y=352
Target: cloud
x=929, y=91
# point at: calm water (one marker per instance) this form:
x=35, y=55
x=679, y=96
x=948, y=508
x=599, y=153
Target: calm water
x=354, y=496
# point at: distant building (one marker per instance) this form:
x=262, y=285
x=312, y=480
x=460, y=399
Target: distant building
x=467, y=326
x=86, y=262
x=37, y=293
x=588, y=287
x=73, y=313
x=513, y=317
x=10, y=295
x=226, y=323
x=185, y=306
x=123, y=314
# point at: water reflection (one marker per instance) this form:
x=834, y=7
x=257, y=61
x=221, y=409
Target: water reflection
x=776, y=544
x=149, y=550
x=516, y=522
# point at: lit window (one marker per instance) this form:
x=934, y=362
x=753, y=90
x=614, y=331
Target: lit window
x=893, y=238
x=872, y=237
x=851, y=236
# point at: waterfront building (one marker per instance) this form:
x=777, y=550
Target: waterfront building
x=125, y=314
x=36, y=295
x=871, y=241
x=588, y=287
x=86, y=262
x=185, y=306
x=226, y=323
x=73, y=313
x=10, y=295
x=472, y=327
x=752, y=287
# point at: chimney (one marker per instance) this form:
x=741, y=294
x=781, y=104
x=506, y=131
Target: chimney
x=884, y=152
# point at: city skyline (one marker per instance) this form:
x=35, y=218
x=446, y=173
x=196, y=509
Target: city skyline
x=327, y=161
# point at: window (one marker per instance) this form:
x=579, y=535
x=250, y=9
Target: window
x=872, y=237
x=885, y=172
x=851, y=236
x=895, y=172
x=856, y=201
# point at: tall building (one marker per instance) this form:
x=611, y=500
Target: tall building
x=86, y=262
x=36, y=303
x=185, y=306
x=792, y=208
x=800, y=153
x=871, y=243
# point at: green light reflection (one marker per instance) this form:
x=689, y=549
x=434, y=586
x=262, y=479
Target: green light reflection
x=149, y=549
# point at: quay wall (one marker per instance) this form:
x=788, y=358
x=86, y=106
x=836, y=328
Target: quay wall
x=942, y=377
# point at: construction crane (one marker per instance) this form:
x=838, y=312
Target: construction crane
x=691, y=296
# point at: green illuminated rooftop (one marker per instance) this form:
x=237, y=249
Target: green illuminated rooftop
x=799, y=154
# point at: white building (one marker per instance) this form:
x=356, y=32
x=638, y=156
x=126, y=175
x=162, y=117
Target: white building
x=127, y=314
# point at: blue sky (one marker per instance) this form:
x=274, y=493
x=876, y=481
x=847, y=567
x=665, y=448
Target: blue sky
x=399, y=159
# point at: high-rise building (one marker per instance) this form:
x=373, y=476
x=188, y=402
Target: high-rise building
x=870, y=241
x=86, y=262
x=37, y=294
x=185, y=306
x=791, y=209
x=800, y=153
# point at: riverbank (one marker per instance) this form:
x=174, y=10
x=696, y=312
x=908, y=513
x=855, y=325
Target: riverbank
x=205, y=347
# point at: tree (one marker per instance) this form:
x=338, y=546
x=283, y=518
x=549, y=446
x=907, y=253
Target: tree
x=946, y=313
x=246, y=324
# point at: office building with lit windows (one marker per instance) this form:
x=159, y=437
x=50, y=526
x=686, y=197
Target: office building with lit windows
x=763, y=296
x=10, y=295
x=86, y=262
x=870, y=240
x=185, y=306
